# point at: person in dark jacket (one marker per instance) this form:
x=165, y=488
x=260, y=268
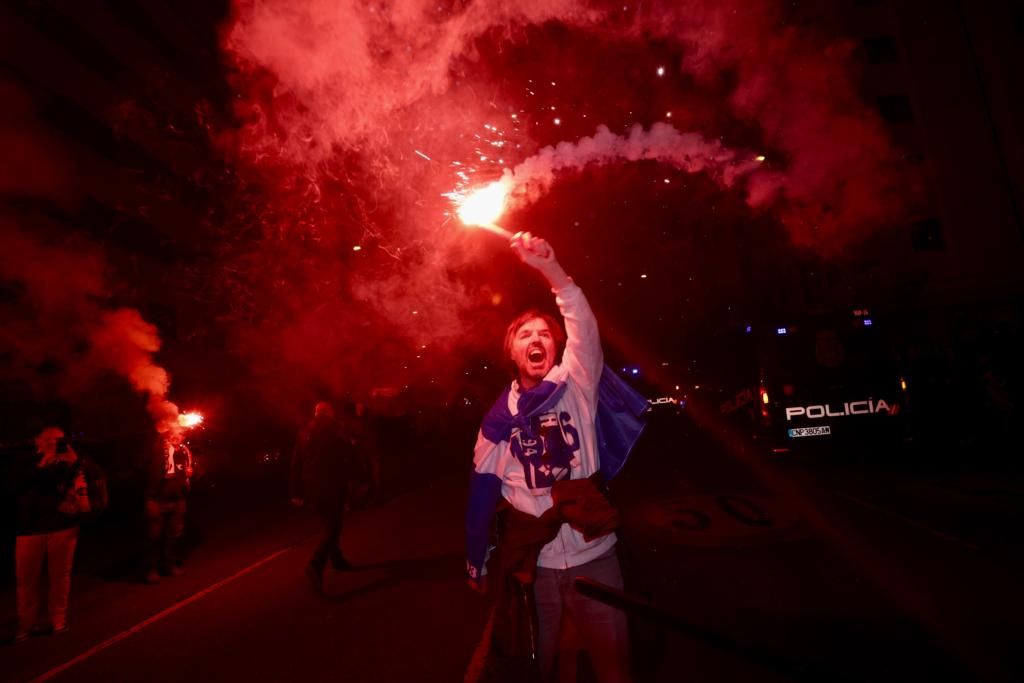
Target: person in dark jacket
x=168, y=481
x=51, y=492
x=320, y=472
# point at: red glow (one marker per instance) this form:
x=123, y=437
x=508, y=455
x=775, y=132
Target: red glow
x=836, y=178
x=354, y=142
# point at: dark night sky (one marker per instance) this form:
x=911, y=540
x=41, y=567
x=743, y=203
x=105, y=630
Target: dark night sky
x=213, y=167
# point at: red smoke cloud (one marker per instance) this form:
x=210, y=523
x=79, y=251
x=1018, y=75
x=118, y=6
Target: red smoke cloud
x=124, y=343
x=344, y=73
x=840, y=177
x=353, y=119
x=379, y=81
x=57, y=334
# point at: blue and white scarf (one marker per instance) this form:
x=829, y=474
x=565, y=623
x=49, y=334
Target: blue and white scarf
x=619, y=422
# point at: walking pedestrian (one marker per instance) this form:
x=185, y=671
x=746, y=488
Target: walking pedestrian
x=320, y=472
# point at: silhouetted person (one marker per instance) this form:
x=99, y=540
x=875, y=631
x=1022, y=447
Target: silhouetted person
x=320, y=472
x=538, y=454
x=52, y=495
x=168, y=483
x=365, y=484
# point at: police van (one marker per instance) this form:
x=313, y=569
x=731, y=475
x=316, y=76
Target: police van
x=824, y=379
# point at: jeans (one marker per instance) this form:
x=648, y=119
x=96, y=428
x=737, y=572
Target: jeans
x=59, y=550
x=165, y=526
x=602, y=628
x=329, y=546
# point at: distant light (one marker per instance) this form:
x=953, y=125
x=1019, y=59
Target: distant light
x=357, y=248
x=668, y=114
x=748, y=329
x=764, y=396
x=867, y=322
x=677, y=387
x=667, y=181
x=903, y=384
x=661, y=71
x=558, y=122
x=636, y=371
x=625, y=369
x=781, y=330
x=643, y=276
x=760, y=157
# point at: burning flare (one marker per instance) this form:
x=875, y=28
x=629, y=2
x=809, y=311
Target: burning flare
x=483, y=207
x=189, y=420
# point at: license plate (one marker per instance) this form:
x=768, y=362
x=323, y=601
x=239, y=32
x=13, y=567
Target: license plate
x=797, y=432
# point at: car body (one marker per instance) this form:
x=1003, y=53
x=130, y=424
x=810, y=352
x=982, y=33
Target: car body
x=825, y=378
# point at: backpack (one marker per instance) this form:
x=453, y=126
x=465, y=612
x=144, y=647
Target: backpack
x=88, y=493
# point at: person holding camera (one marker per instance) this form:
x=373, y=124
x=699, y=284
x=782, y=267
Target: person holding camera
x=52, y=493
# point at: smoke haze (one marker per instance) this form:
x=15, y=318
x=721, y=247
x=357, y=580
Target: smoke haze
x=380, y=80
x=58, y=334
x=532, y=179
x=354, y=118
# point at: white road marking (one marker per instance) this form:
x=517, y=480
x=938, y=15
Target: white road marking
x=96, y=649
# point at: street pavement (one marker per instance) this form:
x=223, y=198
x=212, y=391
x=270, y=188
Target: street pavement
x=758, y=569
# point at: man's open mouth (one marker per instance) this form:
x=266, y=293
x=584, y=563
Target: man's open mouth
x=535, y=355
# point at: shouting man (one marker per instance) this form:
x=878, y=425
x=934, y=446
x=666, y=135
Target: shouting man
x=560, y=430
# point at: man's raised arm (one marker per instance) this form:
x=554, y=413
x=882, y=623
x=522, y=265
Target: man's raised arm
x=583, y=357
